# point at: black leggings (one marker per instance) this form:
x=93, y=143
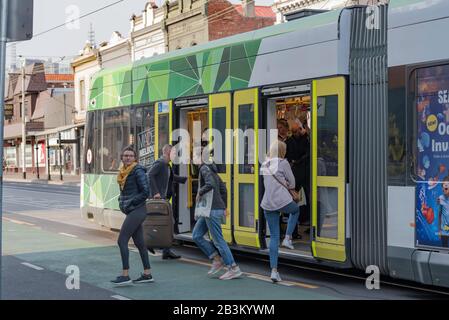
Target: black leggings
x=132, y=227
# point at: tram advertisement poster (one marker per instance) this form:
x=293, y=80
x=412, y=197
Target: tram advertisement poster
x=146, y=147
x=432, y=201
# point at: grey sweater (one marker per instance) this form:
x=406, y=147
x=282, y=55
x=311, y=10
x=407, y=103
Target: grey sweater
x=276, y=196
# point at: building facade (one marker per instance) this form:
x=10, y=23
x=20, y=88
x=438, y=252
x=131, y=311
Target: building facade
x=192, y=22
x=148, y=35
x=48, y=105
x=287, y=8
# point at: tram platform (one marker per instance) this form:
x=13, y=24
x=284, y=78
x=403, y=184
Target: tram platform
x=37, y=261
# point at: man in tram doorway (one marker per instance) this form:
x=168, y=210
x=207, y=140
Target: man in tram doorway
x=298, y=155
x=162, y=180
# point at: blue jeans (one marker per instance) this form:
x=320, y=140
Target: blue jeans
x=213, y=224
x=272, y=218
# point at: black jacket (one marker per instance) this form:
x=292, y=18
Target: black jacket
x=162, y=179
x=135, y=192
x=209, y=180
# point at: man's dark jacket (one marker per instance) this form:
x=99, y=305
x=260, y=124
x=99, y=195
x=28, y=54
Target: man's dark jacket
x=162, y=179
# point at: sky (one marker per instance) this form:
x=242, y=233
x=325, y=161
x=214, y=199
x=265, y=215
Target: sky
x=68, y=40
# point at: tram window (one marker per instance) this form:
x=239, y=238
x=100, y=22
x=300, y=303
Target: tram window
x=246, y=142
x=246, y=206
x=164, y=132
x=219, y=124
x=397, y=148
x=328, y=212
x=91, y=133
x=327, y=127
x=116, y=136
x=145, y=135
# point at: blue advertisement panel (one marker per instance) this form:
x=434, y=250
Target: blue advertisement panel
x=432, y=163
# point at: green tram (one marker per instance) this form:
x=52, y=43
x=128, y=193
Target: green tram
x=371, y=82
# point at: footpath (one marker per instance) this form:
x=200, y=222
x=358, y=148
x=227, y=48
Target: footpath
x=43, y=179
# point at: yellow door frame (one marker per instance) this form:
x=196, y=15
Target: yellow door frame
x=246, y=236
x=218, y=101
x=328, y=248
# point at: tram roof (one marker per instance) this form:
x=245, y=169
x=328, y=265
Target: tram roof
x=306, y=23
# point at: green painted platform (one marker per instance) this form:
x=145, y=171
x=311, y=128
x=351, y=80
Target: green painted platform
x=174, y=280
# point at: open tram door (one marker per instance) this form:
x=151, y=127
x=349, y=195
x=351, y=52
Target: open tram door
x=220, y=120
x=246, y=168
x=328, y=169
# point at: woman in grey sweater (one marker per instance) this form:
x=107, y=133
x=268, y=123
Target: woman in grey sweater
x=278, y=180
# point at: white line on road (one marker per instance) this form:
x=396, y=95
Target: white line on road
x=32, y=266
x=67, y=235
x=18, y=222
x=120, y=297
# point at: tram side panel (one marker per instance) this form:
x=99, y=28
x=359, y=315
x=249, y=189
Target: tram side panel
x=418, y=163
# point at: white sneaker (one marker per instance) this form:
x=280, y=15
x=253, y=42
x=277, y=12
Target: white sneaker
x=216, y=267
x=233, y=273
x=275, y=277
x=288, y=244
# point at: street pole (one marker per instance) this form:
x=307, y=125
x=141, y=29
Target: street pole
x=37, y=159
x=3, y=40
x=48, y=159
x=65, y=105
x=24, y=138
x=60, y=157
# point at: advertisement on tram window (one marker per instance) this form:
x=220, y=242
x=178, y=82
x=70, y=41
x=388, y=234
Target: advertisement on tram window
x=432, y=163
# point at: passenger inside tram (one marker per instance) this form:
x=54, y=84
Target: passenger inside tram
x=293, y=124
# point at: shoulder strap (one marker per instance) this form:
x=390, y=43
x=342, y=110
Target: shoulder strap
x=277, y=179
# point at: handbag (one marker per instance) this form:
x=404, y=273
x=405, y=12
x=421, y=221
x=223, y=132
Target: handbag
x=298, y=197
x=204, y=204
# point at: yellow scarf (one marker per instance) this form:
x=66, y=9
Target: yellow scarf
x=124, y=173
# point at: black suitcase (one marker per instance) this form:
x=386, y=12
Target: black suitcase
x=158, y=225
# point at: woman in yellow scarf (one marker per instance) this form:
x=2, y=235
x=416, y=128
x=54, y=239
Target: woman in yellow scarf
x=134, y=191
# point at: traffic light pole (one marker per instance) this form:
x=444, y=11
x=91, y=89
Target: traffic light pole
x=3, y=40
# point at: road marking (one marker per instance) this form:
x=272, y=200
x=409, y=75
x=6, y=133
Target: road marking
x=19, y=222
x=120, y=297
x=67, y=235
x=259, y=277
x=32, y=266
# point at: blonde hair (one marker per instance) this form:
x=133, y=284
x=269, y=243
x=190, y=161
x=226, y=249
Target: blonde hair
x=278, y=149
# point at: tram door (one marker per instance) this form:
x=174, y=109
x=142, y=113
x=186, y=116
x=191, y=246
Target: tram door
x=246, y=168
x=328, y=169
x=220, y=121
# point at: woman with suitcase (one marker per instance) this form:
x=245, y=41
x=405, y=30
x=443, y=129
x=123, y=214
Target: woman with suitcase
x=134, y=191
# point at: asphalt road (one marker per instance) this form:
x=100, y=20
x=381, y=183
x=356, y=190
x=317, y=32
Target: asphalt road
x=44, y=236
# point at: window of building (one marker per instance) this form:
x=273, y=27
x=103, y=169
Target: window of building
x=82, y=95
x=116, y=135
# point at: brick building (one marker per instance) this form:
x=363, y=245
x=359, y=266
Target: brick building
x=191, y=22
x=226, y=19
